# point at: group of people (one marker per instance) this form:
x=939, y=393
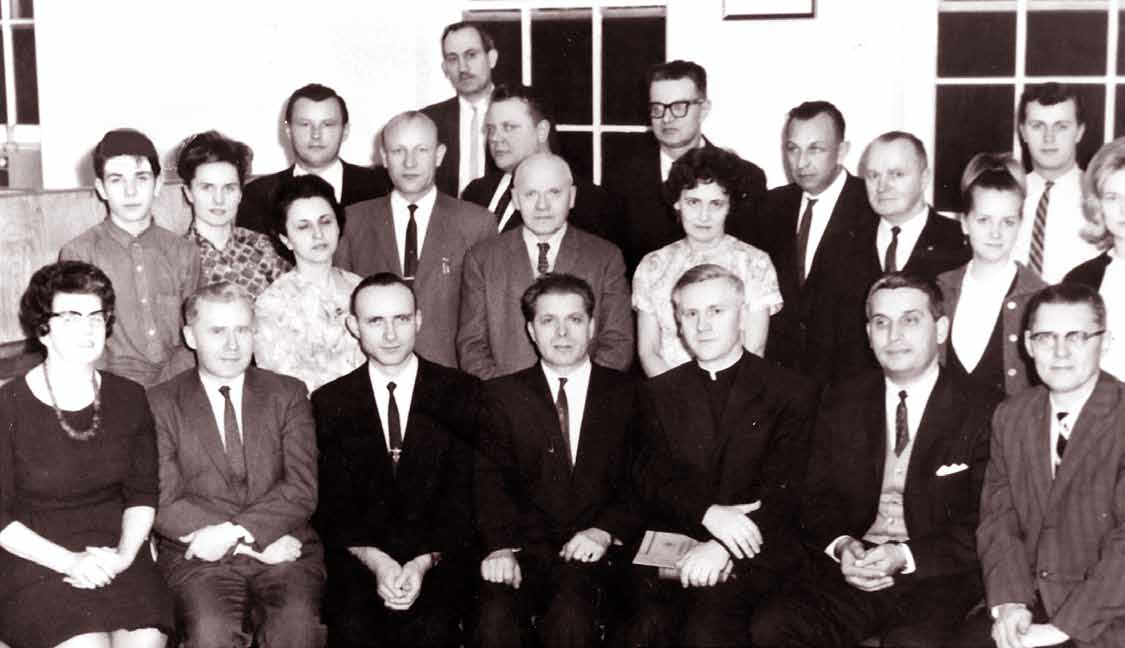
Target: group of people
x=378, y=414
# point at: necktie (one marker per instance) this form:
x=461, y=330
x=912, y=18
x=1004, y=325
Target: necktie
x=803, y=239
x=474, y=145
x=890, y=259
x=236, y=456
x=410, y=258
x=502, y=204
x=1039, y=230
x=544, y=267
x=563, y=409
x=1064, y=435
x=394, y=426
x=902, y=428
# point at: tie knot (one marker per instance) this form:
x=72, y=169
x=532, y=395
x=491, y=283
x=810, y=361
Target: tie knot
x=562, y=382
x=413, y=208
x=225, y=391
x=895, y=230
x=812, y=201
x=543, y=247
x=1061, y=415
x=1047, y=187
x=902, y=396
x=391, y=387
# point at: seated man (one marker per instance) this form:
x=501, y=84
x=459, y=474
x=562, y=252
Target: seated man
x=725, y=444
x=893, y=489
x=396, y=470
x=237, y=488
x=551, y=476
x=1052, y=520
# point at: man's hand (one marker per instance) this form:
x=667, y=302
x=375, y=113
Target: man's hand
x=586, y=546
x=867, y=579
x=1013, y=620
x=706, y=565
x=284, y=549
x=409, y=582
x=88, y=571
x=501, y=566
x=731, y=526
x=889, y=559
x=213, y=542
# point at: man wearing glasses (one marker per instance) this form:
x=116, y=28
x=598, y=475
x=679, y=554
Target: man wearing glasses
x=678, y=104
x=1052, y=522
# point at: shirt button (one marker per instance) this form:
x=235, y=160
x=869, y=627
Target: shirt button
x=144, y=300
x=151, y=332
x=1044, y=574
x=1011, y=305
x=1013, y=338
x=140, y=268
x=1011, y=372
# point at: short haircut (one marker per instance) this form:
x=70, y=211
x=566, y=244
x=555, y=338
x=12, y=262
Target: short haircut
x=997, y=171
x=898, y=280
x=536, y=104
x=1067, y=292
x=314, y=92
x=296, y=188
x=212, y=146
x=678, y=69
x=1049, y=94
x=379, y=280
x=124, y=141
x=811, y=109
x=70, y=277
x=485, y=37
x=898, y=136
x=556, y=283
x=699, y=274
x=707, y=165
x=401, y=118
x=1109, y=159
x=220, y=292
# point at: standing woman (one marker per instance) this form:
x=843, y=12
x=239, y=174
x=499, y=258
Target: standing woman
x=704, y=186
x=78, y=481
x=986, y=298
x=299, y=319
x=214, y=169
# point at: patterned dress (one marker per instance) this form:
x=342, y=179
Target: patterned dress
x=248, y=259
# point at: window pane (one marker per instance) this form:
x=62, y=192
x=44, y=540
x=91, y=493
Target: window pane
x=976, y=44
x=1093, y=114
x=630, y=44
x=1119, y=116
x=578, y=150
x=620, y=147
x=1121, y=46
x=23, y=8
x=561, y=62
x=504, y=27
x=27, y=85
x=1066, y=42
x=970, y=120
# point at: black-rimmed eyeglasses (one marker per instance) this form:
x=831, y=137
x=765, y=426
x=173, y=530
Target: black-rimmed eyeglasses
x=1049, y=340
x=679, y=108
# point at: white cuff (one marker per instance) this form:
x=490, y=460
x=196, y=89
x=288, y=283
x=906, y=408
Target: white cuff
x=831, y=548
x=910, y=566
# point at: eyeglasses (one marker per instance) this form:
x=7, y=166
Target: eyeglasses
x=70, y=318
x=1049, y=340
x=678, y=108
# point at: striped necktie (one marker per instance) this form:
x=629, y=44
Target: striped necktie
x=1039, y=230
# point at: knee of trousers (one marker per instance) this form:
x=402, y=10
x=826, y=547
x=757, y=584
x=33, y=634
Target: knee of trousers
x=213, y=631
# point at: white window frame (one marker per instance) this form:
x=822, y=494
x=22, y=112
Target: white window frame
x=27, y=135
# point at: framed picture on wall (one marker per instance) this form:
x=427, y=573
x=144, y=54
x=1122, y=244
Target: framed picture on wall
x=745, y=9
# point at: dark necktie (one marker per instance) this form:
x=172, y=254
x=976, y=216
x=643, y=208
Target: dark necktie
x=410, y=258
x=1039, y=229
x=803, y=239
x=902, y=427
x=236, y=456
x=890, y=263
x=543, y=267
x=502, y=204
x=563, y=409
x=1060, y=444
x=394, y=426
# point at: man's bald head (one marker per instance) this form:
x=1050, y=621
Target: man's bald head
x=411, y=152
x=545, y=162
x=543, y=190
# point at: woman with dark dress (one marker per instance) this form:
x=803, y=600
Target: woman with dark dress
x=985, y=299
x=78, y=482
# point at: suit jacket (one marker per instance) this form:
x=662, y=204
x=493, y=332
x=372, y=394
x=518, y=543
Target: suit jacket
x=1064, y=537
x=649, y=222
x=526, y=494
x=492, y=335
x=256, y=209
x=595, y=209
x=425, y=506
x=804, y=335
x=447, y=116
x=757, y=451
x=368, y=246
x=195, y=479
x=845, y=476
x=1091, y=272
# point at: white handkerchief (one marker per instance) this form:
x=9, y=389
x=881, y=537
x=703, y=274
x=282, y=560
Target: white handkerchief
x=951, y=469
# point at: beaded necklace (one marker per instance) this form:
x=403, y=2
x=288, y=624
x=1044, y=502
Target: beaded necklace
x=77, y=435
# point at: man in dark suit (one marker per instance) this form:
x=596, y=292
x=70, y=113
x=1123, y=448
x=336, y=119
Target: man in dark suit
x=237, y=487
x=724, y=445
x=892, y=490
x=491, y=337
x=417, y=232
x=396, y=467
x=518, y=125
x=468, y=57
x=1052, y=528
x=316, y=123
x=807, y=227
x=551, y=477
x=678, y=105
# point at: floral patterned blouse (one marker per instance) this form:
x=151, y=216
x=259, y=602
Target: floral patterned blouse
x=660, y=270
x=249, y=260
x=299, y=328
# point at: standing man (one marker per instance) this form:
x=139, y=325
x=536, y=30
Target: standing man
x=417, y=232
x=316, y=123
x=491, y=334
x=237, y=487
x=1051, y=124
x=396, y=468
x=551, y=478
x=1052, y=529
x=678, y=105
x=468, y=56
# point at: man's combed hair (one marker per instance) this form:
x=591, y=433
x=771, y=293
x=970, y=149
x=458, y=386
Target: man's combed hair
x=314, y=92
x=536, y=104
x=381, y=279
x=1066, y=293
x=554, y=283
x=706, y=272
x=485, y=37
x=678, y=69
x=69, y=277
x=897, y=280
x=220, y=292
x=891, y=137
x=124, y=141
x=1050, y=94
x=811, y=109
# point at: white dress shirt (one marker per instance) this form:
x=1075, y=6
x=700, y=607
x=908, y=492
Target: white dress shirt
x=577, y=385
x=465, y=138
x=531, y=241
x=404, y=394
x=501, y=187
x=908, y=235
x=821, y=213
x=333, y=175
x=400, y=216
x=1063, y=246
x=977, y=310
x=1073, y=411
x=1112, y=291
x=218, y=403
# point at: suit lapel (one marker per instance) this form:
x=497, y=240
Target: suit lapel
x=536, y=382
x=589, y=441
x=387, y=246
x=942, y=413
x=875, y=427
x=927, y=240
x=522, y=273
x=254, y=422
x=416, y=435
x=435, y=242
x=1037, y=454
x=839, y=225
x=1091, y=425
x=567, y=258
x=201, y=419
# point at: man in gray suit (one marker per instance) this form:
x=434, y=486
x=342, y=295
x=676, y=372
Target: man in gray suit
x=416, y=232
x=491, y=336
